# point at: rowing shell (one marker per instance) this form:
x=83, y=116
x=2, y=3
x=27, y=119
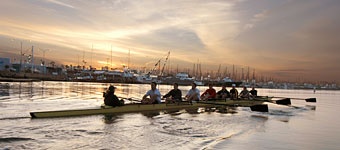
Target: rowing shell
x=128, y=108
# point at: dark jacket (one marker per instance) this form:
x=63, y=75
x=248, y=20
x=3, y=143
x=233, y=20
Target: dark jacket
x=253, y=92
x=223, y=91
x=111, y=99
x=175, y=94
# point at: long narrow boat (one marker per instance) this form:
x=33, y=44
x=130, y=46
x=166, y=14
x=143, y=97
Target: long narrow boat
x=137, y=107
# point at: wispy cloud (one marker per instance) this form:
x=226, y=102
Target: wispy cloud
x=60, y=3
x=269, y=35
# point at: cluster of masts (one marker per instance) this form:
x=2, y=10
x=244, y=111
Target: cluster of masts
x=160, y=69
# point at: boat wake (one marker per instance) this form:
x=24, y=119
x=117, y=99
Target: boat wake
x=209, y=144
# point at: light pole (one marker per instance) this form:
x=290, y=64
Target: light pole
x=21, y=54
x=20, y=57
x=43, y=60
x=32, y=63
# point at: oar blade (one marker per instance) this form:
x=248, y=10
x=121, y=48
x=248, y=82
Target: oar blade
x=260, y=108
x=312, y=100
x=285, y=101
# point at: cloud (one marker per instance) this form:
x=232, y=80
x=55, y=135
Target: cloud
x=260, y=16
x=61, y=3
x=248, y=26
x=268, y=35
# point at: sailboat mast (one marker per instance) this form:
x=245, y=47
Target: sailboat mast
x=32, y=60
x=20, y=57
x=91, y=57
x=129, y=60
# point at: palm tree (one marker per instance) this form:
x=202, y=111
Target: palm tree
x=52, y=63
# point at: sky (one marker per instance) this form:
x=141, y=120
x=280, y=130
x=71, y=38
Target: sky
x=286, y=39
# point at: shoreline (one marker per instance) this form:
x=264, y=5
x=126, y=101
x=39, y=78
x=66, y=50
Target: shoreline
x=6, y=79
x=34, y=77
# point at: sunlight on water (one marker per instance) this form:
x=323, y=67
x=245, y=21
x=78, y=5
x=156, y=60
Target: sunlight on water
x=300, y=126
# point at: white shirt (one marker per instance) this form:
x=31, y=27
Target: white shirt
x=194, y=91
x=155, y=92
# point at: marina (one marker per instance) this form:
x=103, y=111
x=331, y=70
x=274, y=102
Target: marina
x=169, y=75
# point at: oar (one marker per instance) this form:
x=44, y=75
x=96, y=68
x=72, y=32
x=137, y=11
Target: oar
x=312, y=100
x=258, y=107
x=284, y=101
x=130, y=99
x=214, y=103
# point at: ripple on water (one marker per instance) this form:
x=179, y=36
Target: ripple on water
x=184, y=129
x=13, y=139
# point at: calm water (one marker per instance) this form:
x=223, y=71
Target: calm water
x=304, y=126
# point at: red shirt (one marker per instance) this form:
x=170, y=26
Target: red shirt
x=211, y=92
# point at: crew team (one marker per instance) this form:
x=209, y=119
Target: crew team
x=153, y=96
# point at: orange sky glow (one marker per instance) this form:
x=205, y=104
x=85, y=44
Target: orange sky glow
x=286, y=39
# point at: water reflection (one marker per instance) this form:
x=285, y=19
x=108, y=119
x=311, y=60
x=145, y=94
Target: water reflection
x=49, y=89
x=25, y=90
x=209, y=109
x=173, y=112
x=212, y=109
x=4, y=89
x=20, y=89
x=110, y=118
x=57, y=90
x=192, y=110
x=262, y=117
x=226, y=110
x=311, y=107
x=150, y=114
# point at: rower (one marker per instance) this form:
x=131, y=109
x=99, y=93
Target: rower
x=233, y=92
x=110, y=99
x=244, y=93
x=193, y=94
x=223, y=93
x=209, y=93
x=154, y=95
x=175, y=95
x=253, y=92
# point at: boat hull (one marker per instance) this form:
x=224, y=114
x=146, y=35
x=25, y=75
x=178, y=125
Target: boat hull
x=129, y=108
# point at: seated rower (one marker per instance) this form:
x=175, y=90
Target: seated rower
x=253, y=93
x=223, y=93
x=244, y=93
x=154, y=95
x=210, y=93
x=193, y=94
x=175, y=95
x=110, y=99
x=233, y=92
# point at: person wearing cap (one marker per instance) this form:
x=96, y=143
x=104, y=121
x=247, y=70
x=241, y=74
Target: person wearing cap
x=193, y=94
x=210, y=93
x=154, y=95
x=110, y=99
x=233, y=92
x=223, y=93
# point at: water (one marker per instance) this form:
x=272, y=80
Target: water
x=302, y=126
